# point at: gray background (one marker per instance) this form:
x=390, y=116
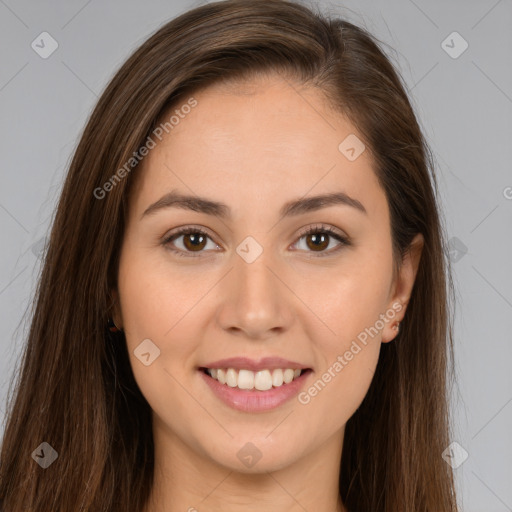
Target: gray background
x=464, y=105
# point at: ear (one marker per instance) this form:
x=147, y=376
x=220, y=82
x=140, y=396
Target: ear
x=402, y=286
x=116, y=309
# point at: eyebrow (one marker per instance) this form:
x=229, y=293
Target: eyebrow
x=175, y=199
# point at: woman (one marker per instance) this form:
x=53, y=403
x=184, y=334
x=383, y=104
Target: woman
x=243, y=303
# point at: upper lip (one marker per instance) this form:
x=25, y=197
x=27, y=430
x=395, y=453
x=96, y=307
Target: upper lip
x=266, y=363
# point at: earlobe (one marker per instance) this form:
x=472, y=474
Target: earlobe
x=403, y=286
x=391, y=331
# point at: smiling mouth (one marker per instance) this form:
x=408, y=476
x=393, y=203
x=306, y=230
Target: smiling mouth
x=248, y=380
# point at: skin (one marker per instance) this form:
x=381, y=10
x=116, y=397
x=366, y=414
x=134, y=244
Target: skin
x=254, y=148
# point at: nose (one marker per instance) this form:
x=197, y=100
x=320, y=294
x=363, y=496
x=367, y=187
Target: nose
x=255, y=301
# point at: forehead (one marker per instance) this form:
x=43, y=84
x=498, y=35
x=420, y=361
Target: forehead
x=259, y=139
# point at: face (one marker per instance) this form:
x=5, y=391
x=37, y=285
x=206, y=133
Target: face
x=269, y=273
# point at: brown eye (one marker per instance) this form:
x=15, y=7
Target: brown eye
x=319, y=238
x=317, y=241
x=194, y=241
x=188, y=241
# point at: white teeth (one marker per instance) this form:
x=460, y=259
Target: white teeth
x=245, y=379
x=288, y=375
x=231, y=378
x=262, y=380
x=277, y=378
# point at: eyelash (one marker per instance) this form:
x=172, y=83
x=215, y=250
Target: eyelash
x=317, y=229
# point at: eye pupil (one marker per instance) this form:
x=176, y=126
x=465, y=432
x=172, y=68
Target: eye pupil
x=316, y=238
x=196, y=241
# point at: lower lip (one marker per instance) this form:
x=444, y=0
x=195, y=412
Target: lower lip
x=255, y=401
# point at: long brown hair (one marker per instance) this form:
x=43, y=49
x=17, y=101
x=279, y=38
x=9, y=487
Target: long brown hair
x=76, y=390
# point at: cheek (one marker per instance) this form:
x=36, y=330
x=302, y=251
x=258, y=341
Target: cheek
x=332, y=397
x=154, y=296
x=348, y=300
x=348, y=304
x=157, y=305
x=352, y=308
x=349, y=357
